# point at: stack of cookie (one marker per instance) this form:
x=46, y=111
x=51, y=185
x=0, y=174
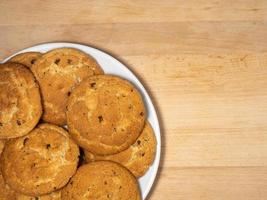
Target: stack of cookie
x=68, y=131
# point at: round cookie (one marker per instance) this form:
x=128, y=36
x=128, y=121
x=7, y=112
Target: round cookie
x=20, y=101
x=6, y=193
x=105, y=114
x=58, y=72
x=138, y=157
x=27, y=59
x=41, y=162
x=52, y=196
x=102, y=180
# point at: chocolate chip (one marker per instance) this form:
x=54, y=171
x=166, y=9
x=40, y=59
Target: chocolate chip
x=105, y=182
x=138, y=142
x=33, y=61
x=48, y=146
x=100, y=119
x=141, y=114
x=18, y=122
x=69, y=93
x=69, y=61
x=25, y=141
x=143, y=154
x=36, y=198
x=33, y=165
x=1, y=124
x=57, y=61
x=92, y=85
x=131, y=90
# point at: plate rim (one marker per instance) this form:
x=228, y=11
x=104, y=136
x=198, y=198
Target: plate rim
x=144, y=92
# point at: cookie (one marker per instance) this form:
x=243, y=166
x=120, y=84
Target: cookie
x=105, y=114
x=27, y=59
x=52, y=196
x=41, y=162
x=6, y=193
x=58, y=72
x=138, y=157
x=102, y=180
x=20, y=101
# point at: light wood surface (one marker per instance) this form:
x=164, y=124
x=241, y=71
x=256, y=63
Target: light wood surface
x=204, y=62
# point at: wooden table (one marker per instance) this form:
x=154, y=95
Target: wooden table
x=204, y=62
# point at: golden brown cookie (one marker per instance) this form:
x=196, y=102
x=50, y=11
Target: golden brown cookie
x=102, y=180
x=6, y=193
x=41, y=162
x=52, y=196
x=27, y=59
x=58, y=72
x=138, y=157
x=20, y=101
x=105, y=114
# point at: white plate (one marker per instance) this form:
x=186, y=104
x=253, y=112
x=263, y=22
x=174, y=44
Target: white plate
x=112, y=66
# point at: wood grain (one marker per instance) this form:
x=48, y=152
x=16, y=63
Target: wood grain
x=203, y=62
x=130, y=11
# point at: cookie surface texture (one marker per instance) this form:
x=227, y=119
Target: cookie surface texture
x=20, y=101
x=102, y=180
x=58, y=72
x=2, y=145
x=41, y=162
x=6, y=193
x=138, y=157
x=105, y=114
x=52, y=196
x=27, y=59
